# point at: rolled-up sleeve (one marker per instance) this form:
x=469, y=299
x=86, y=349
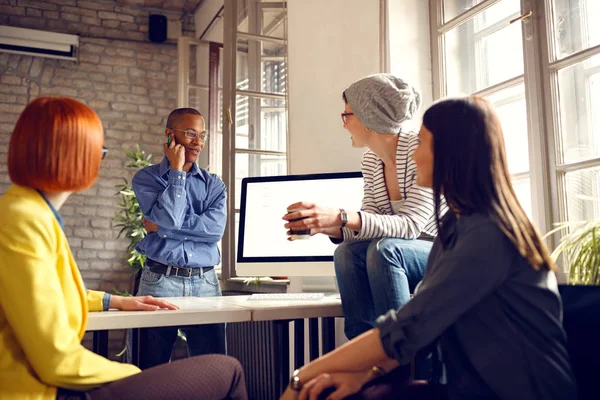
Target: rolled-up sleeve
x=455, y=282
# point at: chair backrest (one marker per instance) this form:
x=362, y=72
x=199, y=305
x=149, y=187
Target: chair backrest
x=581, y=320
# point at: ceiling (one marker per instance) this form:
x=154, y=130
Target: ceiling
x=184, y=6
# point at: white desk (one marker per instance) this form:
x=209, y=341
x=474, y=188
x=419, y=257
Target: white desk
x=211, y=310
x=274, y=310
x=192, y=311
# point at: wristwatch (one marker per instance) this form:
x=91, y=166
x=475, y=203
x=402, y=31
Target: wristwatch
x=295, y=383
x=344, y=217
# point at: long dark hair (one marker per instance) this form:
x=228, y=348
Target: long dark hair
x=471, y=171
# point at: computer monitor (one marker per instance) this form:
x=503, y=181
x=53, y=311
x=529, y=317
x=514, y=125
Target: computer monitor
x=263, y=248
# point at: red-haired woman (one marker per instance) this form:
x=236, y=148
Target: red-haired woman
x=55, y=150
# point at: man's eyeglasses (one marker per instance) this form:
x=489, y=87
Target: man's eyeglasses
x=345, y=117
x=104, y=151
x=192, y=134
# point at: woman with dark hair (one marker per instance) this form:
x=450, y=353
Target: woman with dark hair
x=55, y=150
x=383, y=246
x=489, y=297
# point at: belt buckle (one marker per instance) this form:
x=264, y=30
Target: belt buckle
x=189, y=275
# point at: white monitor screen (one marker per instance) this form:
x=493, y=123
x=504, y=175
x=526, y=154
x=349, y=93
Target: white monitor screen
x=264, y=201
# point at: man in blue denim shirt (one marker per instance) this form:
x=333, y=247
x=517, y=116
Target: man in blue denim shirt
x=184, y=214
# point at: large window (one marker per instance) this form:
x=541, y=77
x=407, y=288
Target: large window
x=539, y=63
x=255, y=100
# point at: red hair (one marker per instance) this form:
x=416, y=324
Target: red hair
x=56, y=145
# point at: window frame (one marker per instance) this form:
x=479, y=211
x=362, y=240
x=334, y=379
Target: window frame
x=547, y=171
x=230, y=93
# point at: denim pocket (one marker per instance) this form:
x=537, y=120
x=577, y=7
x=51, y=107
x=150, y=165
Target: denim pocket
x=151, y=278
x=211, y=278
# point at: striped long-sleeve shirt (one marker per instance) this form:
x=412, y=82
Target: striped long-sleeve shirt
x=416, y=214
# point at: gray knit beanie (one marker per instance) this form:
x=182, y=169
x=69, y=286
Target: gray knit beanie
x=382, y=102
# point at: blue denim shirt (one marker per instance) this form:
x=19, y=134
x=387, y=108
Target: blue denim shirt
x=189, y=210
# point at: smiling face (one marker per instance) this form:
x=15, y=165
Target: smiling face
x=193, y=147
x=423, y=157
x=357, y=130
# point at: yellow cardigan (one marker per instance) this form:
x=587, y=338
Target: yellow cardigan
x=43, y=306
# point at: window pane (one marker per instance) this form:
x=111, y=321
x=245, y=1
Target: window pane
x=268, y=18
x=453, y=8
x=512, y=111
x=575, y=25
x=247, y=165
x=199, y=65
x=583, y=194
x=485, y=50
x=261, y=66
x=522, y=188
x=274, y=21
x=579, y=99
x=261, y=124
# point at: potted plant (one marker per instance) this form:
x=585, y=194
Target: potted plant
x=580, y=250
x=129, y=217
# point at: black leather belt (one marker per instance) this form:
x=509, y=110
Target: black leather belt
x=173, y=270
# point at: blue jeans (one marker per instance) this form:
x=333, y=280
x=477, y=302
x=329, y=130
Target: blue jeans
x=201, y=339
x=377, y=276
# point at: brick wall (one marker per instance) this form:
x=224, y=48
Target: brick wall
x=130, y=83
x=90, y=18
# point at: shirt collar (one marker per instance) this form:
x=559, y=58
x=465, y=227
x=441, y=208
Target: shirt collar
x=54, y=211
x=165, y=167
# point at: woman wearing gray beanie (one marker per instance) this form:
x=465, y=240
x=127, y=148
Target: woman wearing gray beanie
x=380, y=259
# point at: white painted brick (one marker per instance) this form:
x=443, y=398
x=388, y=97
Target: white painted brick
x=38, y=4
x=125, y=52
x=85, y=254
x=8, y=98
x=147, y=109
x=120, y=79
x=15, y=90
x=130, y=26
x=139, y=90
x=36, y=67
x=96, y=5
x=91, y=20
x=25, y=64
x=109, y=23
x=51, y=14
x=69, y=17
x=121, y=88
x=10, y=80
x=119, y=245
x=103, y=223
x=106, y=255
x=107, y=15
x=137, y=72
x=97, y=31
x=93, y=244
x=31, y=12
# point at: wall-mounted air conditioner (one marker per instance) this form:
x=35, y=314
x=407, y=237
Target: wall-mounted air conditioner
x=38, y=43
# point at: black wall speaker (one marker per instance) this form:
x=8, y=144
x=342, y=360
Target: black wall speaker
x=157, y=28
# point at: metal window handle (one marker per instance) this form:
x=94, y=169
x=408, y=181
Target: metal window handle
x=521, y=17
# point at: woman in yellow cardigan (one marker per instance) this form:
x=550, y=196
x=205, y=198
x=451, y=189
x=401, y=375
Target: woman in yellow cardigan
x=55, y=150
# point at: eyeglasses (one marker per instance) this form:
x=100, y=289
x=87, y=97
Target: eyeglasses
x=104, y=151
x=345, y=117
x=192, y=134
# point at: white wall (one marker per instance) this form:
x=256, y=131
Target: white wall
x=410, y=46
x=331, y=44
x=204, y=16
